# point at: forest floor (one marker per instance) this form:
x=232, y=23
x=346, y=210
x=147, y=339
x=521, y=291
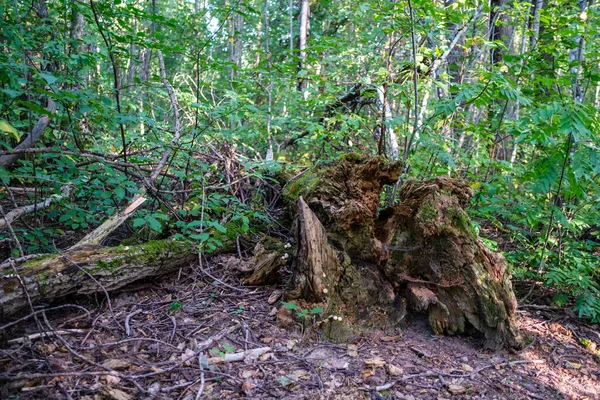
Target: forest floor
x=170, y=339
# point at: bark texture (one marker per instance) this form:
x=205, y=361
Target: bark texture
x=370, y=265
x=87, y=270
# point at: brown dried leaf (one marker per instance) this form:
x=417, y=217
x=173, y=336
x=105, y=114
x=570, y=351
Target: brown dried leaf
x=466, y=367
x=188, y=355
x=115, y=394
x=572, y=365
x=275, y=296
x=375, y=362
x=111, y=380
x=116, y=364
x=247, y=386
x=247, y=373
x=393, y=370
x=353, y=350
x=456, y=389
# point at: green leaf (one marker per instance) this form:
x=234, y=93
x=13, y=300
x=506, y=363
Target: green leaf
x=219, y=227
x=6, y=127
x=119, y=193
x=139, y=222
x=203, y=237
x=228, y=349
x=154, y=224
x=289, y=305
x=49, y=78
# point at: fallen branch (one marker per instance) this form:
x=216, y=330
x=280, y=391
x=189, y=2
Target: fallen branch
x=242, y=356
x=39, y=335
x=89, y=270
x=8, y=160
x=441, y=374
x=18, y=212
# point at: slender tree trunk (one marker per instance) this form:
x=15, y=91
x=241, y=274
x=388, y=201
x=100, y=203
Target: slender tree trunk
x=234, y=45
x=291, y=17
x=534, y=22
x=576, y=59
x=131, y=63
x=387, y=129
x=304, y=14
x=269, y=155
x=500, y=32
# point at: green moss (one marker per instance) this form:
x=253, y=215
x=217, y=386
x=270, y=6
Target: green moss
x=33, y=264
x=588, y=344
x=428, y=212
x=10, y=286
x=302, y=186
x=110, y=265
x=354, y=158
x=42, y=279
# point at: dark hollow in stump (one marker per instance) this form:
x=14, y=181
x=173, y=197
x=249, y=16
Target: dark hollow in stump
x=368, y=265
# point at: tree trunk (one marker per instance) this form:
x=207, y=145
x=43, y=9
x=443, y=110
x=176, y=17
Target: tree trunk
x=304, y=13
x=369, y=265
x=87, y=270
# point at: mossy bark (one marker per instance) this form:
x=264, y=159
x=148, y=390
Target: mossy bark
x=88, y=270
x=369, y=264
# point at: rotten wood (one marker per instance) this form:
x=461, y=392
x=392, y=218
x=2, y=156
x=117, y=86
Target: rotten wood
x=88, y=270
x=374, y=265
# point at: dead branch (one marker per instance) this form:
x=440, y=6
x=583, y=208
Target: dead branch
x=8, y=160
x=18, y=212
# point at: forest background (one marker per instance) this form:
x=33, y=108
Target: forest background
x=200, y=105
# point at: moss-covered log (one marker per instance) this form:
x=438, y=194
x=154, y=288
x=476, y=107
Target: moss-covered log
x=369, y=264
x=88, y=270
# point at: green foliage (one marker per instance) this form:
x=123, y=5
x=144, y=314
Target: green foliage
x=302, y=312
x=506, y=127
x=176, y=307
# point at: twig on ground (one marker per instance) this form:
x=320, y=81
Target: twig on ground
x=91, y=362
x=3, y=327
x=38, y=335
x=201, y=389
x=221, y=282
x=440, y=374
x=128, y=318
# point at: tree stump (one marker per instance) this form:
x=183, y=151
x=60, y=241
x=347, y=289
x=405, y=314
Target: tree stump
x=365, y=265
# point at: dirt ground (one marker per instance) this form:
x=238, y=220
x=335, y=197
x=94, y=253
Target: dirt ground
x=202, y=335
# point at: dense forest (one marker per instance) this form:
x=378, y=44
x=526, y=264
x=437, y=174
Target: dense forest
x=188, y=184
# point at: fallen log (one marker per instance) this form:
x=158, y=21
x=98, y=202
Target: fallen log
x=373, y=265
x=87, y=270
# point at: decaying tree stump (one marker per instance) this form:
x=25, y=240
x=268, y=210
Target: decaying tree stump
x=368, y=265
x=88, y=270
